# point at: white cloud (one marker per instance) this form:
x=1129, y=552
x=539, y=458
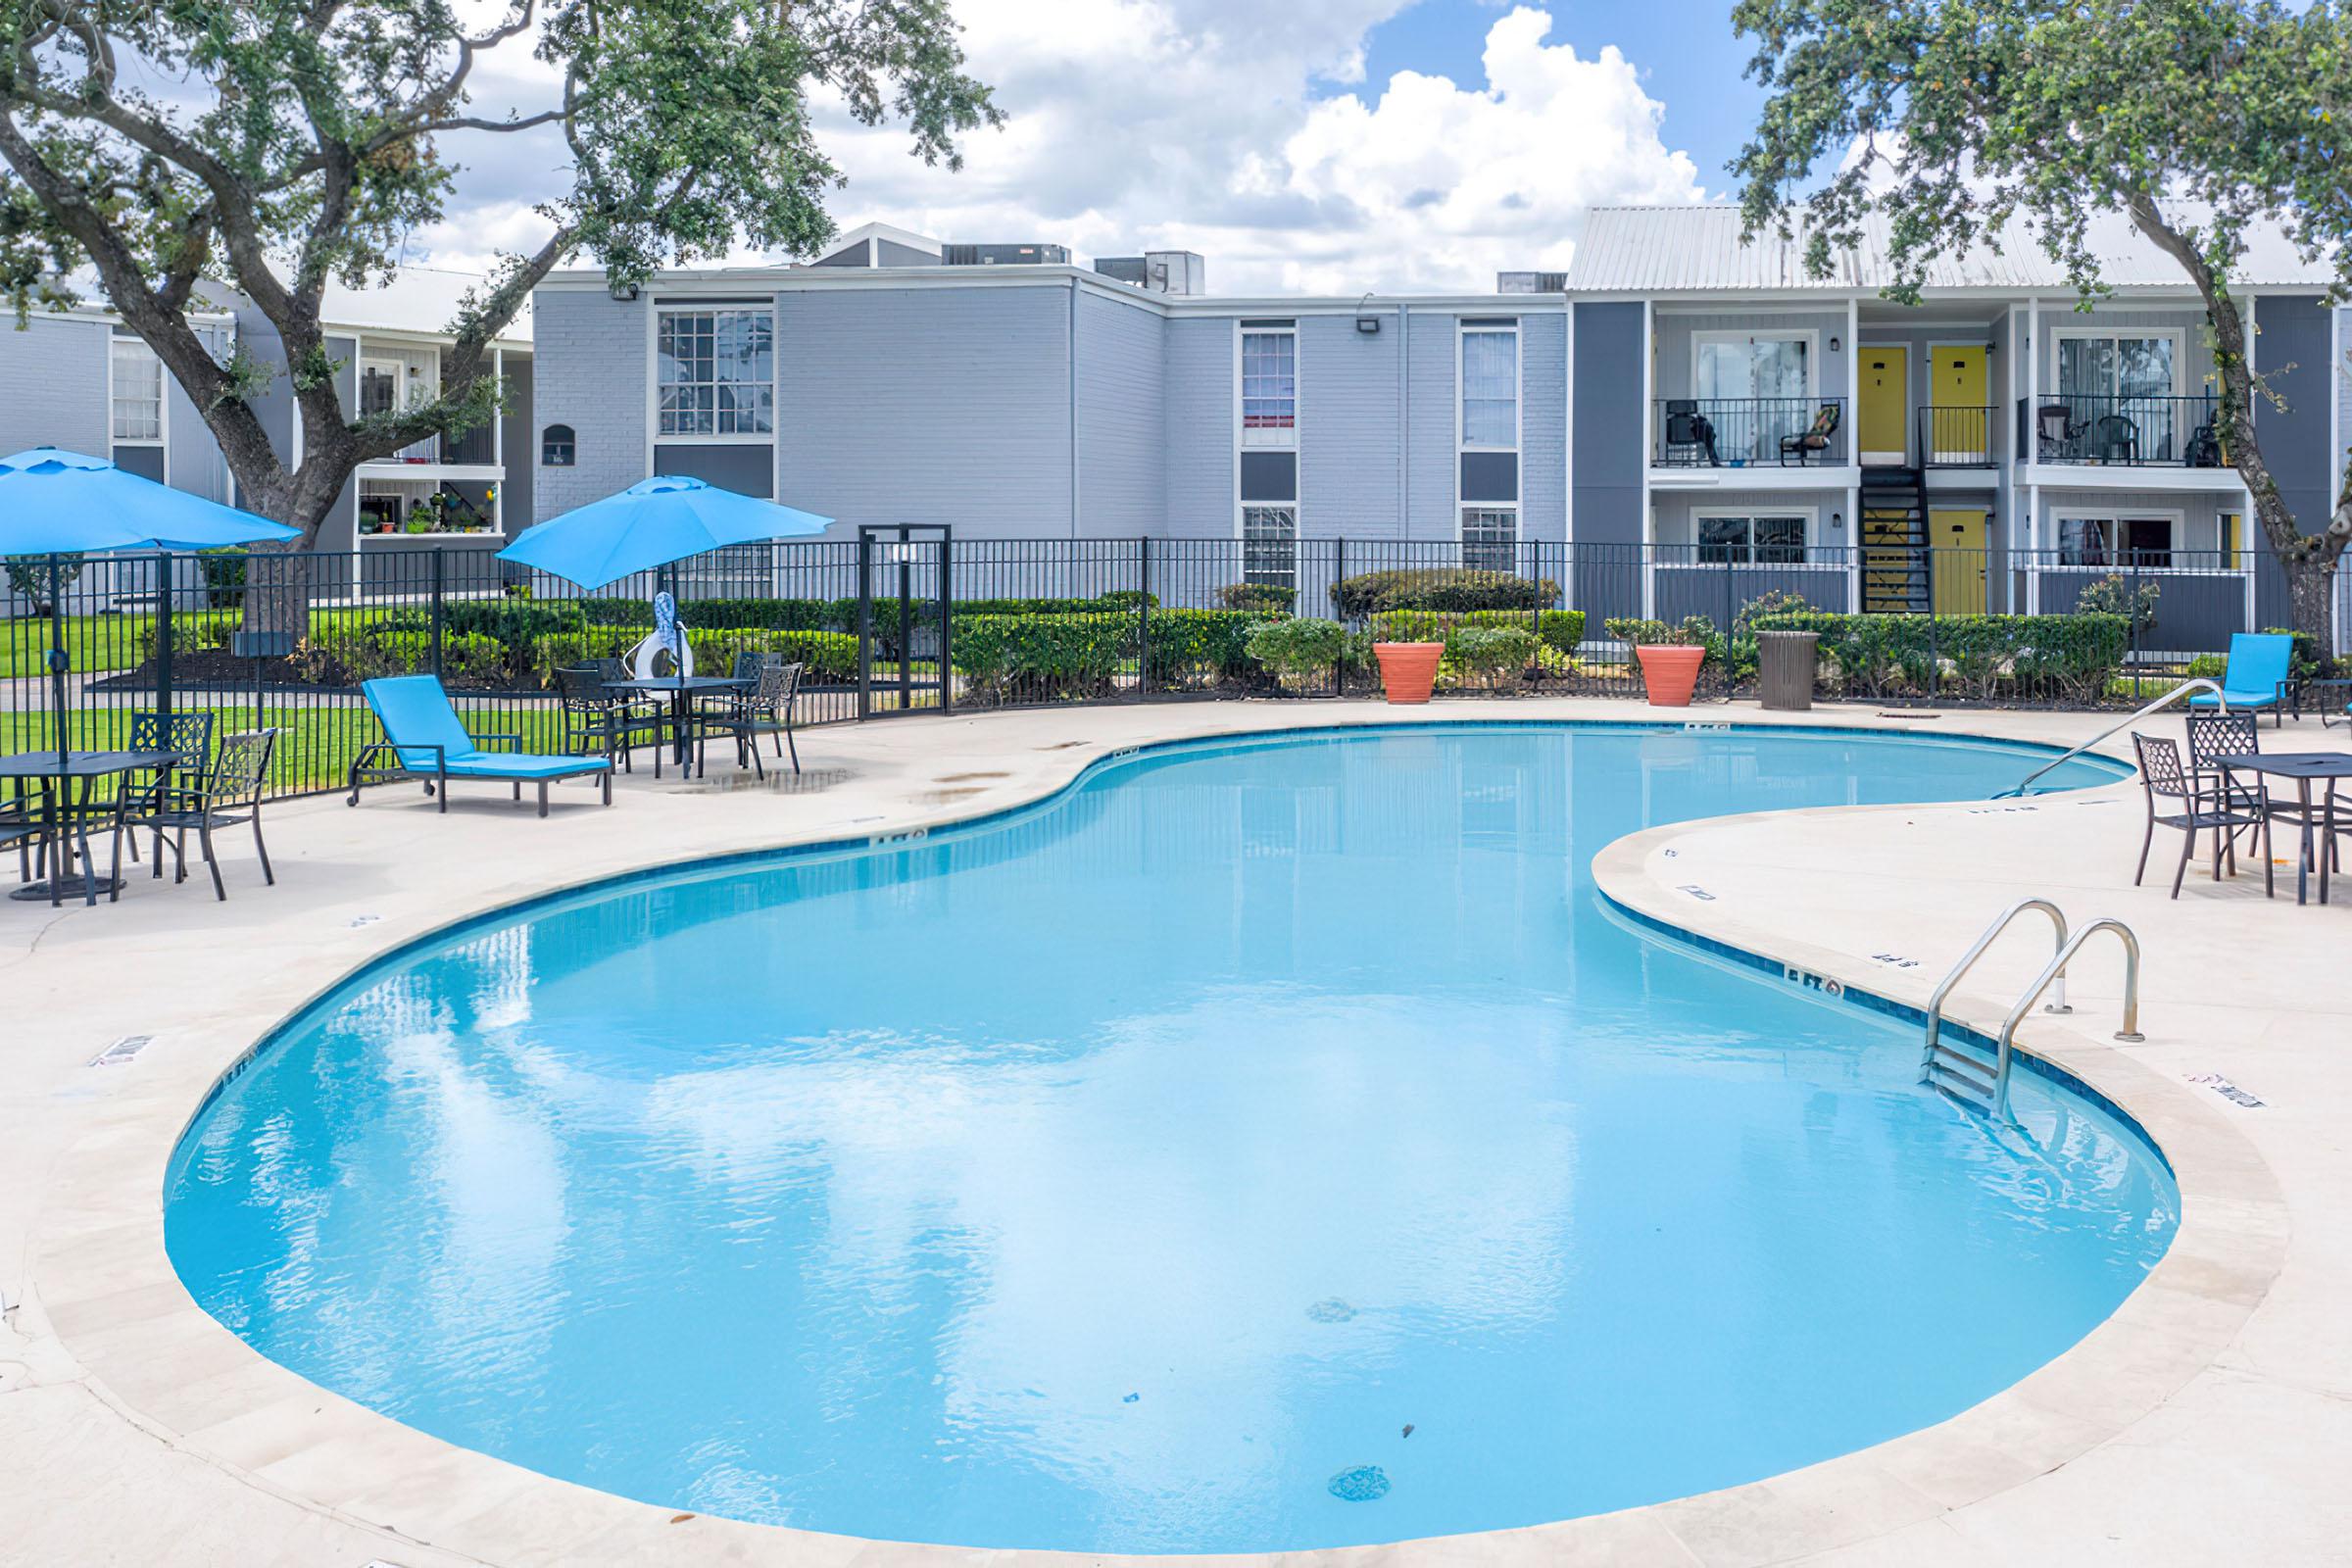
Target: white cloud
x=1196, y=124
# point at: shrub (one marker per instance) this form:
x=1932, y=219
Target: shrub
x=1257, y=596
x=1191, y=645
x=2066, y=658
x=1694, y=631
x=515, y=622
x=1078, y=655
x=1297, y=652
x=1128, y=599
x=1491, y=653
x=2207, y=667
x=29, y=577
x=1455, y=588
x=2113, y=595
x=831, y=656
x=2306, y=662
x=1558, y=629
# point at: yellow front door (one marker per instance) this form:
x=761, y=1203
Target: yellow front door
x=1959, y=428
x=1884, y=386
x=1957, y=566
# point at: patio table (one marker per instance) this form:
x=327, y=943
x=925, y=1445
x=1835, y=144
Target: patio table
x=2304, y=768
x=65, y=826
x=682, y=690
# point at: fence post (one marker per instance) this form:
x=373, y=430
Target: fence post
x=1731, y=594
x=2131, y=617
x=866, y=625
x=436, y=556
x=1142, y=668
x=1331, y=596
x=163, y=638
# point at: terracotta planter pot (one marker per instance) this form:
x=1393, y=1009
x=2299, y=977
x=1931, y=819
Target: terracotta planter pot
x=1407, y=670
x=1669, y=674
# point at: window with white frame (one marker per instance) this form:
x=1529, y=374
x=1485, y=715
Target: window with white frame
x=1491, y=386
x=1269, y=386
x=1491, y=538
x=2115, y=541
x=2122, y=365
x=714, y=372
x=1270, y=544
x=1768, y=539
x=138, y=394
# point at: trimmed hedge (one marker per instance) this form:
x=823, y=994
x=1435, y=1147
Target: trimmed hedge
x=1297, y=652
x=1082, y=653
x=2067, y=659
x=1559, y=630
x=1450, y=588
x=1202, y=647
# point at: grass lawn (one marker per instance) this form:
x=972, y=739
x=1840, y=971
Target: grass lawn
x=316, y=743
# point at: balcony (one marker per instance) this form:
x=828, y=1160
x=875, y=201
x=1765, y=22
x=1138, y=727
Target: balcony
x=1955, y=437
x=475, y=449
x=1748, y=432
x=2105, y=431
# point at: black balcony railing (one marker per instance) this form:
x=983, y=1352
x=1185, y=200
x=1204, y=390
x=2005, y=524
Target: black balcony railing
x=2119, y=430
x=1955, y=437
x=1748, y=432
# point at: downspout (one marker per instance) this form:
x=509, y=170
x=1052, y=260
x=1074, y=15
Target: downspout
x=1073, y=406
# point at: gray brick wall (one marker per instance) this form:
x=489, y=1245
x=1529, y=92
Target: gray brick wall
x=1349, y=472
x=53, y=387
x=1543, y=432
x=1430, y=391
x=589, y=369
x=924, y=405
x=1122, y=405
x=1200, y=483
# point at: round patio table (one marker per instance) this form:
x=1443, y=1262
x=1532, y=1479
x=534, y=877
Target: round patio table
x=64, y=826
x=682, y=690
x=2304, y=768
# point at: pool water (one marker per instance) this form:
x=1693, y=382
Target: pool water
x=1260, y=1146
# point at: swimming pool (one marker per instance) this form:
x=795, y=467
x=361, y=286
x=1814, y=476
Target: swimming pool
x=1258, y=1145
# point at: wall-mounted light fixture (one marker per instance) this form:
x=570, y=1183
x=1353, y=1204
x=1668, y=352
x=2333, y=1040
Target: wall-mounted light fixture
x=625, y=292
x=1833, y=342
x=1365, y=321
x=1836, y=524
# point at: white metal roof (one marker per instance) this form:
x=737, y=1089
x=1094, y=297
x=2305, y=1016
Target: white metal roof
x=857, y=237
x=1664, y=249
x=417, y=299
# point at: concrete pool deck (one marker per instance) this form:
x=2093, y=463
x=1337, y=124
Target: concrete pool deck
x=2210, y=1420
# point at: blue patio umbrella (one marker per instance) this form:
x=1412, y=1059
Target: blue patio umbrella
x=653, y=523
x=56, y=503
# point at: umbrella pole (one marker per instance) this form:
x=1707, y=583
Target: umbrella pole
x=58, y=660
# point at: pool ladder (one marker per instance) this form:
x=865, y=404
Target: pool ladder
x=1966, y=1077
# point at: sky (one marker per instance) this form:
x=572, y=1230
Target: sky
x=1326, y=146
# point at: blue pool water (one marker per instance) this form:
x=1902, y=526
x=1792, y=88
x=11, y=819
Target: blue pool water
x=1133, y=1172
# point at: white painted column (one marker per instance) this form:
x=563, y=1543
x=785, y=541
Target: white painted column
x=498, y=444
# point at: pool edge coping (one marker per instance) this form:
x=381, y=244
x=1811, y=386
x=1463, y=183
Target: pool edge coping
x=2054, y=1414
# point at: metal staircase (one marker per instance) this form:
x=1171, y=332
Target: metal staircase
x=1895, y=543
x=1965, y=1076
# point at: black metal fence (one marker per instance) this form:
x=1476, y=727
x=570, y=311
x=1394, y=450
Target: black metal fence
x=2129, y=430
x=1748, y=432
x=285, y=641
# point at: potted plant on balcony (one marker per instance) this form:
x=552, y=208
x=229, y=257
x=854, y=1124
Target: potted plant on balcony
x=1670, y=656
x=1408, y=671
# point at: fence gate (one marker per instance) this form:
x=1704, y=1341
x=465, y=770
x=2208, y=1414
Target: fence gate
x=904, y=590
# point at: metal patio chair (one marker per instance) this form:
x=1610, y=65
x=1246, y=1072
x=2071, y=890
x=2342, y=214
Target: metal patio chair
x=2195, y=803
x=1815, y=438
x=1688, y=430
x=597, y=719
x=189, y=738
x=745, y=716
x=225, y=795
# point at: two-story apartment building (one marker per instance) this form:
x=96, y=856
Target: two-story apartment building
x=898, y=380
x=83, y=380
x=1748, y=410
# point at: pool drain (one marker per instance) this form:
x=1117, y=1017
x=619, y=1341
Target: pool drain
x=1366, y=1483
x=1331, y=1310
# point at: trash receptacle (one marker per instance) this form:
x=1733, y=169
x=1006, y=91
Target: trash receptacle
x=1786, y=661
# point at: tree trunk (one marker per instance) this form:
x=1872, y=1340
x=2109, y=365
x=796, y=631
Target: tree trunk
x=2311, y=600
x=278, y=587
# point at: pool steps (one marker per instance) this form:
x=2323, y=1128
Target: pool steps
x=1981, y=1086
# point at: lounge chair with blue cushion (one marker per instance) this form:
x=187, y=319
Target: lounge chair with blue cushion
x=424, y=739
x=2257, y=673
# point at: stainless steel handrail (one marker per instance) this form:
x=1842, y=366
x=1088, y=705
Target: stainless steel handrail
x=2220, y=699
x=1927, y=1056
x=2130, y=1033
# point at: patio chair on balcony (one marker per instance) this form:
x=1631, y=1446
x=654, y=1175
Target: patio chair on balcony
x=2257, y=674
x=2204, y=447
x=1689, y=431
x=2193, y=803
x=2114, y=438
x=2058, y=431
x=1814, y=438
x=424, y=740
